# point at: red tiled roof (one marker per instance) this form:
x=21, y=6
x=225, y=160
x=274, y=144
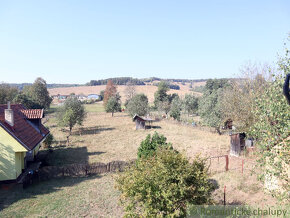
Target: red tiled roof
x=23, y=130
x=32, y=113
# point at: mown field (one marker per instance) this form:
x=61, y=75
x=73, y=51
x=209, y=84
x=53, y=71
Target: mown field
x=103, y=138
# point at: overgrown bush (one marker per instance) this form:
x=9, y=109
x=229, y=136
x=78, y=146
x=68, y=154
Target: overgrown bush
x=164, y=185
x=149, y=146
x=48, y=141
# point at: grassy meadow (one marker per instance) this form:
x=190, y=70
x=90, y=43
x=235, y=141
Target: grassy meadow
x=103, y=138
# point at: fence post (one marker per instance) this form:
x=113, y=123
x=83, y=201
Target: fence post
x=227, y=162
x=224, y=195
x=243, y=166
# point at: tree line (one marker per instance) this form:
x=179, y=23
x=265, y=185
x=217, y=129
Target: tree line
x=117, y=81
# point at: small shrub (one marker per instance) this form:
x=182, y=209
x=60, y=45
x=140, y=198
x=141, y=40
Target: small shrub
x=48, y=141
x=149, y=146
x=164, y=185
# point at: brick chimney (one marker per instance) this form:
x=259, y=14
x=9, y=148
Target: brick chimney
x=9, y=115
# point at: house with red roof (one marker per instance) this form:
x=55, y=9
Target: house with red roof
x=21, y=135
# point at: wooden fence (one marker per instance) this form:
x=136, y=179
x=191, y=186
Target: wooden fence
x=218, y=164
x=72, y=170
x=223, y=163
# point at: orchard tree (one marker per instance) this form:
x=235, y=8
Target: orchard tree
x=110, y=91
x=238, y=99
x=138, y=105
x=38, y=93
x=176, y=107
x=71, y=113
x=164, y=106
x=113, y=104
x=190, y=103
x=161, y=94
x=210, y=103
x=130, y=90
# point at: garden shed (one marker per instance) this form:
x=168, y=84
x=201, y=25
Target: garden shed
x=237, y=143
x=141, y=121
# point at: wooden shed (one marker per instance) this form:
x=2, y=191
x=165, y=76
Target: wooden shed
x=237, y=143
x=141, y=121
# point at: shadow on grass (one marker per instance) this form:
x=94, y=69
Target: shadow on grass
x=62, y=155
x=152, y=127
x=12, y=193
x=92, y=130
x=89, y=130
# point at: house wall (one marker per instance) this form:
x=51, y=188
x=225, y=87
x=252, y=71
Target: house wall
x=35, y=150
x=19, y=162
x=9, y=165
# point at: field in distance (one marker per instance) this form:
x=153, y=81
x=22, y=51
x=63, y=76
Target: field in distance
x=147, y=89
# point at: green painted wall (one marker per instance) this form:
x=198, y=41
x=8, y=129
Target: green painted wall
x=18, y=163
x=10, y=152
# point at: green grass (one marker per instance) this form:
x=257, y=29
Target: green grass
x=97, y=107
x=69, y=197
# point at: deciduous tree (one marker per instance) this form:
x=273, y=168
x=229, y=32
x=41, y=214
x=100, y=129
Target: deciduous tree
x=71, y=113
x=164, y=185
x=138, y=105
x=176, y=107
x=38, y=93
x=190, y=103
x=7, y=93
x=271, y=130
x=210, y=103
x=161, y=94
x=110, y=91
x=114, y=104
x=26, y=101
x=130, y=91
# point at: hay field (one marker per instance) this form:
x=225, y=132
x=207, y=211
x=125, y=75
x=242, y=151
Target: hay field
x=148, y=90
x=107, y=138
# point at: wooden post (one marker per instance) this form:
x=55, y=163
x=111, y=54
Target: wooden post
x=210, y=165
x=224, y=195
x=227, y=162
x=243, y=166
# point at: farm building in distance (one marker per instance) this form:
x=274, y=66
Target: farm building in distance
x=21, y=135
x=94, y=97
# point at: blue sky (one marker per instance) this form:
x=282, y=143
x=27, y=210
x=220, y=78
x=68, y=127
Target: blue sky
x=76, y=41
